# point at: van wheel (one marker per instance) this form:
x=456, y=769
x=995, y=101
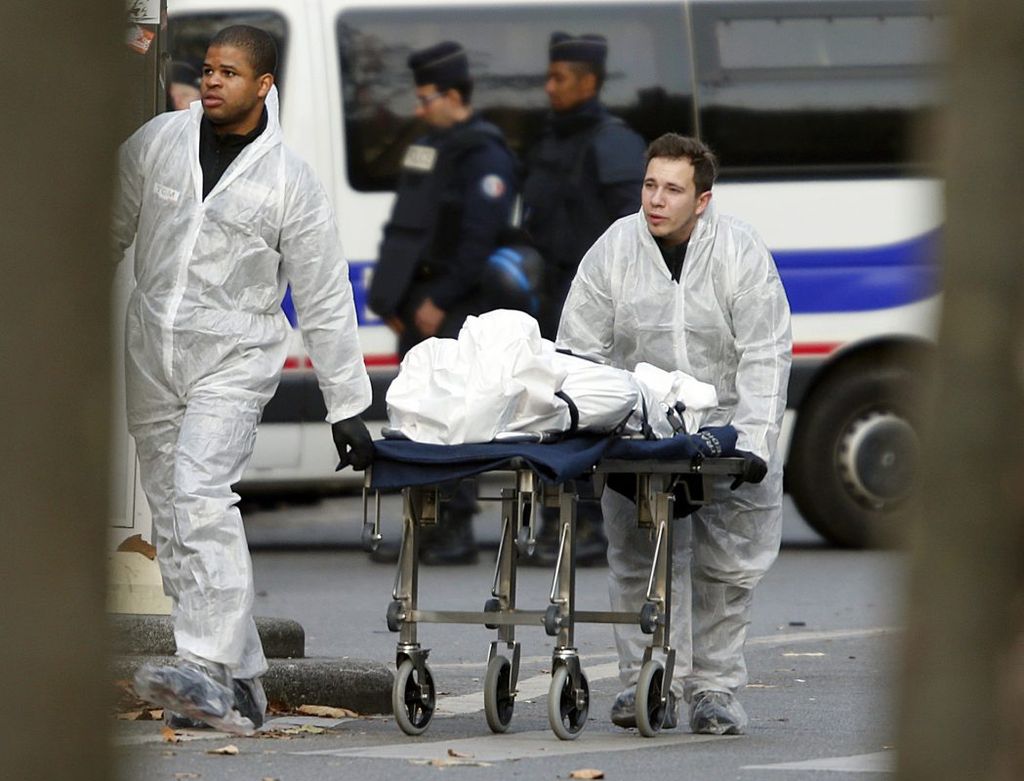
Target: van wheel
x=855, y=455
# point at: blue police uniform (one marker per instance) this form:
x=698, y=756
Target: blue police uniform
x=454, y=202
x=453, y=206
x=584, y=174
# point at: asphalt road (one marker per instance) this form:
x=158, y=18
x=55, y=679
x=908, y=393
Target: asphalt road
x=821, y=654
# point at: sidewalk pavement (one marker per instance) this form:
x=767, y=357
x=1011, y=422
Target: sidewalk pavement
x=361, y=685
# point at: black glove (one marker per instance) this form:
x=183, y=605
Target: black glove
x=754, y=470
x=355, y=447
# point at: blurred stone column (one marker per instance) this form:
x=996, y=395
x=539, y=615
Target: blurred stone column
x=963, y=680
x=62, y=94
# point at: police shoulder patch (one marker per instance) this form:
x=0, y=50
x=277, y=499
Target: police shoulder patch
x=493, y=186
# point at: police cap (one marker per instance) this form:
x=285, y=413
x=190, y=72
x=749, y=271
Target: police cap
x=582, y=48
x=443, y=64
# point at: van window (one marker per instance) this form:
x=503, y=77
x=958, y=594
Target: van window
x=189, y=35
x=648, y=82
x=794, y=89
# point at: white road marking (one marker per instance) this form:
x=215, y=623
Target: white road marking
x=880, y=762
x=517, y=745
x=528, y=689
x=827, y=634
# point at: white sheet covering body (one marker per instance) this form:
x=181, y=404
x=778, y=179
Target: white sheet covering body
x=500, y=376
x=205, y=344
x=727, y=323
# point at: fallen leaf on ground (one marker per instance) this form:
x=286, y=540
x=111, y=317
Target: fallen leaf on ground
x=453, y=753
x=587, y=772
x=228, y=750
x=169, y=735
x=327, y=712
x=132, y=715
x=135, y=544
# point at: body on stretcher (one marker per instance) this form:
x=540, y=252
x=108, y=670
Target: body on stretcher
x=662, y=473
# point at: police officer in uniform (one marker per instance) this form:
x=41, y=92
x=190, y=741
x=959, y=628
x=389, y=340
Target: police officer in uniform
x=584, y=174
x=454, y=204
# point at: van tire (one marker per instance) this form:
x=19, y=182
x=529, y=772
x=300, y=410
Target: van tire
x=855, y=454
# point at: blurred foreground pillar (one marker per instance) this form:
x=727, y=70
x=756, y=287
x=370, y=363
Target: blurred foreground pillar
x=61, y=110
x=963, y=684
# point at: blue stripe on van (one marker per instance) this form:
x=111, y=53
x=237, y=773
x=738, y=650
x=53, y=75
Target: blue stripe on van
x=817, y=281
x=860, y=279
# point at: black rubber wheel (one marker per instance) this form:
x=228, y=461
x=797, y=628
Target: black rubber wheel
x=854, y=458
x=551, y=620
x=650, y=709
x=649, y=618
x=413, y=698
x=395, y=610
x=499, y=702
x=567, y=706
x=492, y=605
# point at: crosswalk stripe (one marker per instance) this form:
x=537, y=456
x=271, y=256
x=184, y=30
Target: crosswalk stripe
x=515, y=745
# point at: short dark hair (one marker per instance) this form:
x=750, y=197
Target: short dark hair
x=597, y=69
x=464, y=88
x=258, y=45
x=676, y=147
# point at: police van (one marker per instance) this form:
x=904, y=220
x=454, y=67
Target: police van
x=817, y=110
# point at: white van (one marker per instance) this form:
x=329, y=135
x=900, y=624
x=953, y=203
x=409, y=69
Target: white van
x=812, y=106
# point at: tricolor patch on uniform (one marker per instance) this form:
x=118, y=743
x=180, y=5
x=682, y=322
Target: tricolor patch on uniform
x=493, y=186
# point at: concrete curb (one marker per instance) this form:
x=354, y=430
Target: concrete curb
x=362, y=685
x=154, y=635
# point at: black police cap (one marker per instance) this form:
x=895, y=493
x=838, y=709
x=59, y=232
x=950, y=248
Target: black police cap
x=443, y=64
x=581, y=48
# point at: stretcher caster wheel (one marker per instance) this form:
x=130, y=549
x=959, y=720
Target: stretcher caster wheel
x=492, y=606
x=412, y=697
x=394, y=617
x=650, y=705
x=499, y=701
x=551, y=620
x=567, y=705
x=649, y=618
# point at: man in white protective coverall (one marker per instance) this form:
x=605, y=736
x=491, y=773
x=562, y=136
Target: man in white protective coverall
x=223, y=215
x=681, y=287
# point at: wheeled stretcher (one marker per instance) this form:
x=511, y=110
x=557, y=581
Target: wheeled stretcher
x=662, y=473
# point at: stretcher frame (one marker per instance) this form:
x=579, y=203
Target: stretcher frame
x=414, y=692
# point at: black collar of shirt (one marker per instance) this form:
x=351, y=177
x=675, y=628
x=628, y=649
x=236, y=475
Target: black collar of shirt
x=217, y=152
x=674, y=257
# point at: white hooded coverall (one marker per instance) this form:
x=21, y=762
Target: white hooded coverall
x=206, y=341
x=727, y=323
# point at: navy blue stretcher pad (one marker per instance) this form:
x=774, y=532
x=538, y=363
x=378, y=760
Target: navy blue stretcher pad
x=399, y=463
